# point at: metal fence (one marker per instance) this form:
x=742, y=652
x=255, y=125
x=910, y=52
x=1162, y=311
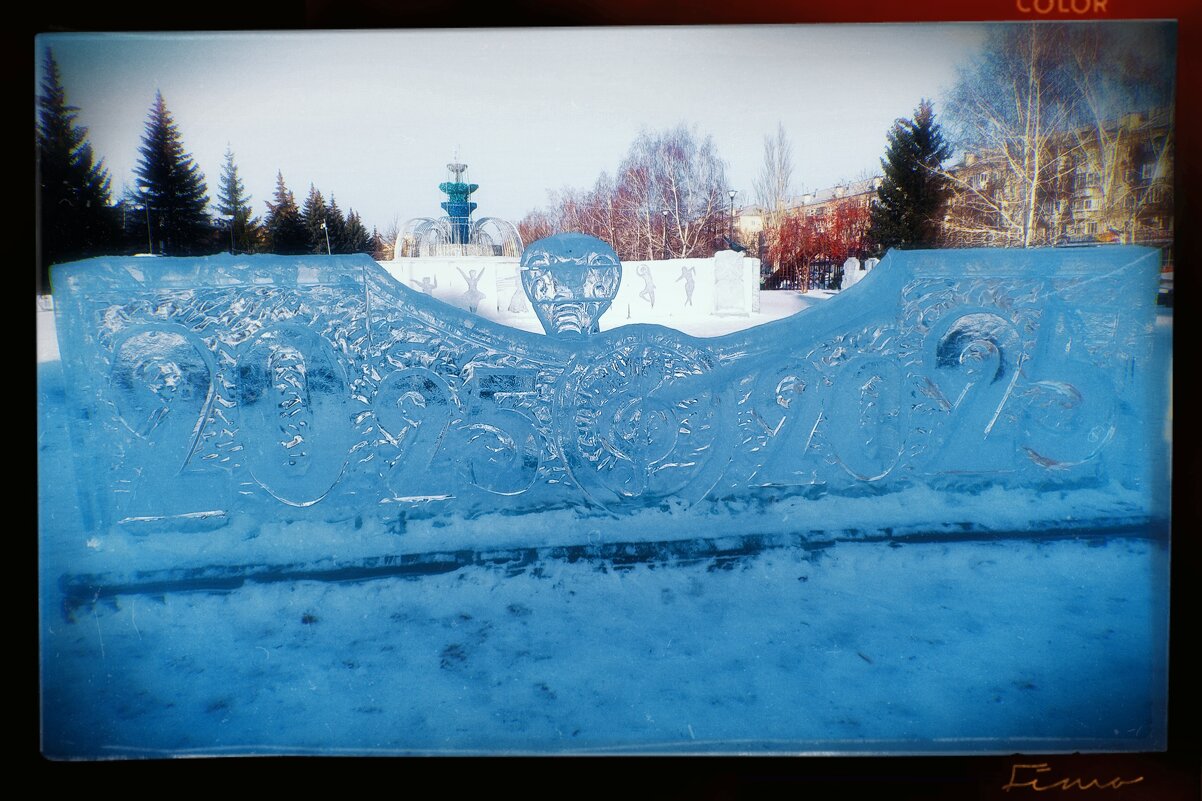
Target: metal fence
x=822, y=275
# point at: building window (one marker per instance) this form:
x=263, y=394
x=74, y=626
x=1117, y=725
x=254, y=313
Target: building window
x=1091, y=228
x=1148, y=171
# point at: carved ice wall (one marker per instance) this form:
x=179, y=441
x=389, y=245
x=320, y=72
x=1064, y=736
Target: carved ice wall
x=290, y=387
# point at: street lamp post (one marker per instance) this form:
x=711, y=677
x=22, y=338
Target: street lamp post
x=731, y=238
x=327, y=233
x=664, y=254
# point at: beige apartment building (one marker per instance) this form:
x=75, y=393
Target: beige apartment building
x=1106, y=184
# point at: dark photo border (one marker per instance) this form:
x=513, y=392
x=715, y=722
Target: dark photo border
x=1174, y=774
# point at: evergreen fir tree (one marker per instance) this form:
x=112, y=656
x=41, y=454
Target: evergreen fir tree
x=173, y=187
x=285, y=232
x=232, y=200
x=355, y=238
x=312, y=215
x=336, y=224
x=73, y=191
x=912, y=195
x=134, y=222
x=376, y=246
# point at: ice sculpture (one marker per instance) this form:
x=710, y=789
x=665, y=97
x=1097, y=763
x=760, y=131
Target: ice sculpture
x=571, y=279
x=296, y=386
x=729, y=283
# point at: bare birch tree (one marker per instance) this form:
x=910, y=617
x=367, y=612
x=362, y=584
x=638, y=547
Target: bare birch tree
x=1063, y=123
x=1123, y=136
x=1010, y=107
x=688, y=180
x=774, y=185
x=536, y=225
x=389, y=237
x=636, y=238
x=667, y=198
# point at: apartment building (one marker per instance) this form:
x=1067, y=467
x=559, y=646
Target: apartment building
x=1107, y=184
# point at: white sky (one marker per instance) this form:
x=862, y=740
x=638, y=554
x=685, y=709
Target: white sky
x=373, y=117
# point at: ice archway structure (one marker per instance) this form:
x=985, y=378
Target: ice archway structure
x=954, y=388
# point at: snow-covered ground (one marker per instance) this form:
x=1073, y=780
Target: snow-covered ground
x=951, y=647
x=967, y=647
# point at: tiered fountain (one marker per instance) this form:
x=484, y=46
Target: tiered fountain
x=456, y=234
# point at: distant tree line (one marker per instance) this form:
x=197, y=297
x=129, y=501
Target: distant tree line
x=167, y=211
x=668, y=199
x=316, y=227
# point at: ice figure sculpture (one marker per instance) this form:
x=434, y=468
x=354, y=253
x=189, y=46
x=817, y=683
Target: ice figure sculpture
x=287, y=387
x=647, y=293
x=729, y=278
x=688, y=274
x=571, y=279
x=472, y=297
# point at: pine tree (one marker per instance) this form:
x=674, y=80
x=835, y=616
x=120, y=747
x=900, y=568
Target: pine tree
x=232, y=200
x=336, y=224
x=354, y=236
x=285, y=231
x=912, y=195
x=313, y=215
x=377, y=247
x=173, y=187
x=73, y=189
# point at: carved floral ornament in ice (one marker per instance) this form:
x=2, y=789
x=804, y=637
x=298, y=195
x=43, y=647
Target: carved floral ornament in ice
x=320, y=385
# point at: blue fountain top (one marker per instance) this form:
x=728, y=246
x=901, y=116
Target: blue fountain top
x=457, y=190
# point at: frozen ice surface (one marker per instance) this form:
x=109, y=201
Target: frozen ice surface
x=229, y=416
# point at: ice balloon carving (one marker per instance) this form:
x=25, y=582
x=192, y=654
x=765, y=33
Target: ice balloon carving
x=288, y=387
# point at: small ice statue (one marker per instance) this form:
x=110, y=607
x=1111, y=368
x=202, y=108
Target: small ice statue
x=570, y=279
